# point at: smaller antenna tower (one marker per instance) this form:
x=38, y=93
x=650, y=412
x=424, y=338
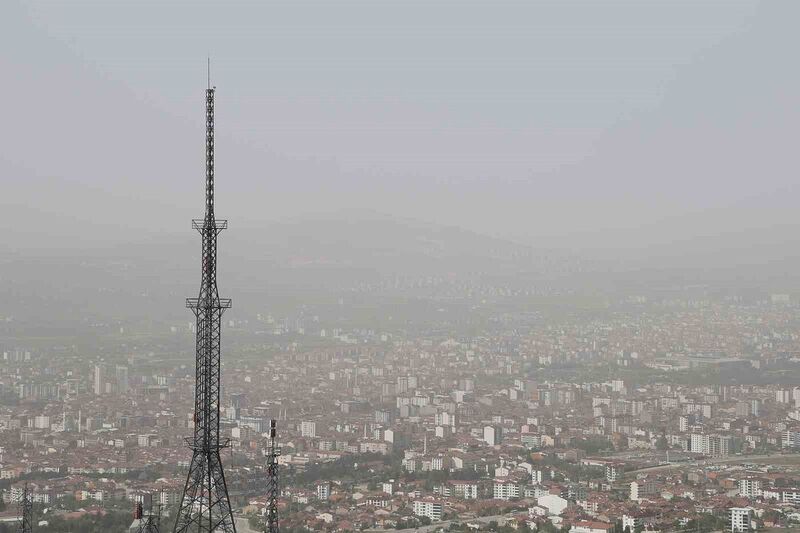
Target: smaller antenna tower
x=25, y=512
x=273, y=488
x=149, y=523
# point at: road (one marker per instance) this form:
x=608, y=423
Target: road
x=720, y=460
x=446, y=523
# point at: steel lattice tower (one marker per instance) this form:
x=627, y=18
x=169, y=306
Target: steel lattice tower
x=273, y=488
x=25, y=512
x=205, y=506
x=150, y=523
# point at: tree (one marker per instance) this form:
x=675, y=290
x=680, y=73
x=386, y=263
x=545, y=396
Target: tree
x=547, y=527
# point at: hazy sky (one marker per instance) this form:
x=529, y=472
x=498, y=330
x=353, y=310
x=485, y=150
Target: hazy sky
x=575, y=123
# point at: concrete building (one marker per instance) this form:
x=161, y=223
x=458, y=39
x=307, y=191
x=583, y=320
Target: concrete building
x=591, y=527
x=324, y=491
x=308, y=429
x=713, y=445
x=614, y=472
x=505, y=489
x=554, y=504
x=467, y=490
x=429, y=508
x=642, y=489
x=492, y=435
x=632, y=522
x=741, y=519
x=123, y=384
x=99, y=381
x=750, y=488
x=790, y=439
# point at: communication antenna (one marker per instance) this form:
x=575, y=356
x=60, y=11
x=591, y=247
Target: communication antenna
x=150, y=523
x=273, y=487
x=205, y=506
x=25, y=512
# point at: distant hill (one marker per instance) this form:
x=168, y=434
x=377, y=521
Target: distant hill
x=284, y=262
x=290, y=263
x=391, y=245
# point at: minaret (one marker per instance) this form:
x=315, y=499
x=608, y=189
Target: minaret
x=205, y=506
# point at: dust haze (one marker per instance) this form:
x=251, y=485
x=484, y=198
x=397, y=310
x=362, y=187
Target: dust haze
x=544, y=253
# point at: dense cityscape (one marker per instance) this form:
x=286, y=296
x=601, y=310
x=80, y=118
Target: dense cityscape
x=492, y=266
x=648, y=413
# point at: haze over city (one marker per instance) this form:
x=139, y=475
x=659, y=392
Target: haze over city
x=495, y=266
x=567, y=124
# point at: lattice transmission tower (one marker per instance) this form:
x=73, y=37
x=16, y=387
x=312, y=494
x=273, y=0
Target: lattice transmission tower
x=205, y=506
x=149, y=523
x=273, y=486
x=25, y=512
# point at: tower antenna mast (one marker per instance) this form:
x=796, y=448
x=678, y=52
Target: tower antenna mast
x=25, y=511
x=151, y=523
x=205, y=506
x=273, y=487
